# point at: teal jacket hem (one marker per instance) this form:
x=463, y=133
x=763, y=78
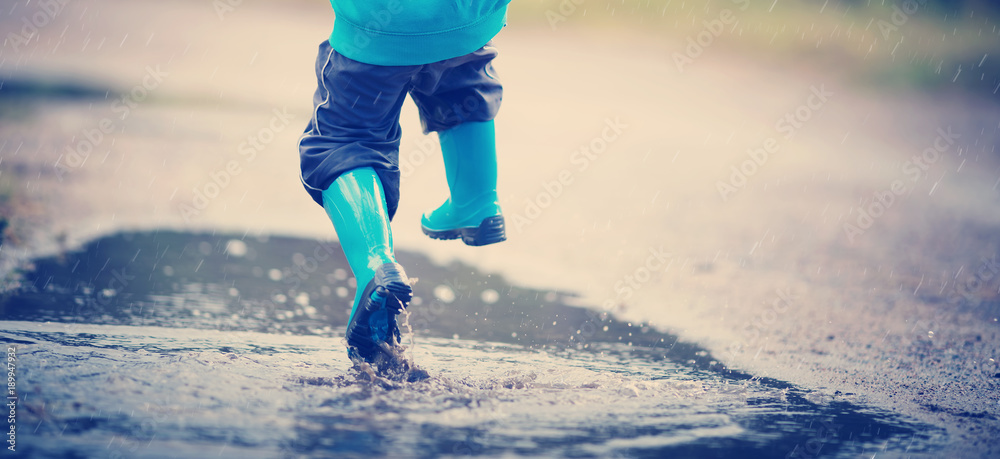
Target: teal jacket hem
x=378, y=47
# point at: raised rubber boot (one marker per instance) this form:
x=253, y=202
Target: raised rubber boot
x=472, y=212
x=355, y=203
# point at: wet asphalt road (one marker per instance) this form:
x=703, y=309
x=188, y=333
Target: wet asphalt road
x=809, y=274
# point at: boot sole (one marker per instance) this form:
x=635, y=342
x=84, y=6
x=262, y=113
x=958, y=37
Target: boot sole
x=391, y=283
x=390, y=279
x=490, y=231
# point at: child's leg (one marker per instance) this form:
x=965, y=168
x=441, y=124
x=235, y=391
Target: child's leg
x=357, y=208
x=348, y=157
x=472, y=210
x=458, y=98
x=355, y=205
x=355, y=123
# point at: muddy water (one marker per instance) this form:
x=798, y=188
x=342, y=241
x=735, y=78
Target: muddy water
x=169, y=344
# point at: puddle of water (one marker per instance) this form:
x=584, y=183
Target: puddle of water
x=176, y=344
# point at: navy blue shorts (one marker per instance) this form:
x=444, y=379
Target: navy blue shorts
x=355, y=120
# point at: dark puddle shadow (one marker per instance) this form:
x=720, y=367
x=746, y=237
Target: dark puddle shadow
x=38, y=87
x=21, y=93
x=281, y=284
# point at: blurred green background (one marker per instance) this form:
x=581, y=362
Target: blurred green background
x=919, y=44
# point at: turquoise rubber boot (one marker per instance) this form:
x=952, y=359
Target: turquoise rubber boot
x=472, y=212
x=355, y=203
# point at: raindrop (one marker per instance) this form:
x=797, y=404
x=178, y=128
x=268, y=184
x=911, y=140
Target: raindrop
x=205, y=248
x=168, y=271
x=341, y=292
x=233, y=292
x=280, y=298
x=489, y=296
x=444, y=293
x=340, y=274
x=302, y=299
x=274, y=274
x=236, y=248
